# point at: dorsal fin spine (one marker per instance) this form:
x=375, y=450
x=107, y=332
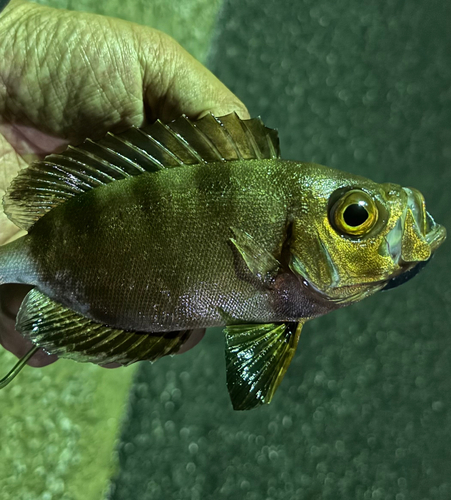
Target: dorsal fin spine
x=118, y=155
x=163, y=148
x=271, y=146
x=186, y=144
x=109, y=152
x=78, y=152
x=209, y=142
x=252, y=142
x=132, y=147
x=82, y=183
x=101, y=161
x=229, y=138
x=154, y=160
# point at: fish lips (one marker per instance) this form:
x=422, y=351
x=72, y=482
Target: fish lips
x=435, y=237
x=415, y=236
x=406, y=276
x=425, y=230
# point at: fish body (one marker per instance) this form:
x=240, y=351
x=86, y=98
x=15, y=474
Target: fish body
x=156, y=255
x=125, y=268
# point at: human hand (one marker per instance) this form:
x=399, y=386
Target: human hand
x=66, y=76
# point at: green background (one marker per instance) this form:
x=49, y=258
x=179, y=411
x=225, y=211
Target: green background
x=364, y=410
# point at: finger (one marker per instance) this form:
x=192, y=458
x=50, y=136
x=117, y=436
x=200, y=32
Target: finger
x=11, y=297
x=176, y=83
x=125, y=74
x=82, y=79
x=195, y=337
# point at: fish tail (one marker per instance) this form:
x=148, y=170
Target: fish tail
x=14, y=262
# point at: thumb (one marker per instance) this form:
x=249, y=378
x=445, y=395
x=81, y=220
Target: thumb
x=176, y=83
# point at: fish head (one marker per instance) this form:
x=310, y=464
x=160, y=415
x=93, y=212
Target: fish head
x=362, y=237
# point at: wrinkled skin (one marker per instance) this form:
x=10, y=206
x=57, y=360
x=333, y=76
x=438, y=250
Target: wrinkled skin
x=68, y=75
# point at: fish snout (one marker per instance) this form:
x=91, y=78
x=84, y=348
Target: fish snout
x=415, y=235
x=417, y=206
x=433, y=233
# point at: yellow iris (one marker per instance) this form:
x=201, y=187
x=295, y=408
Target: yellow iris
x=354, y=214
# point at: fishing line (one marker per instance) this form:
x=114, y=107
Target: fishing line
x=18, y=367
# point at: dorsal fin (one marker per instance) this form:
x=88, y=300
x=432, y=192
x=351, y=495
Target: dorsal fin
x=47, y=183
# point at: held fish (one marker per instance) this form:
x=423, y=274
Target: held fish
x=139, y=239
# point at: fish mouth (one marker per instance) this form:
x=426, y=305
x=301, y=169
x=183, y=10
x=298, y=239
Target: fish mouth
x=413, y=239
x=428, y=235
x=405, y=276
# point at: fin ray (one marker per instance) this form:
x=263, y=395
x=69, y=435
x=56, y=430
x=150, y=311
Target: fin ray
x=68, y=334
x=48, y=183
x=257, y=358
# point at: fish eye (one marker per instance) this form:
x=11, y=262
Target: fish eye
x=354, y=213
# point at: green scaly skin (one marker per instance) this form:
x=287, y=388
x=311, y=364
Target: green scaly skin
x=153, y=252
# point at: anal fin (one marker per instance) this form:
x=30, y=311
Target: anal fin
x=63, y=332
x=257, y=358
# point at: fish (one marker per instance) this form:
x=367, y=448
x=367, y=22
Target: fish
x=139, y=239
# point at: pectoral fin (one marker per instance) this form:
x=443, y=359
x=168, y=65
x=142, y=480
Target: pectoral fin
x=259, y=261
x=257, y=357
x=61, y=331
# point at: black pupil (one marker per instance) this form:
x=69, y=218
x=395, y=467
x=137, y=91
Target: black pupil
x=355, y=215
